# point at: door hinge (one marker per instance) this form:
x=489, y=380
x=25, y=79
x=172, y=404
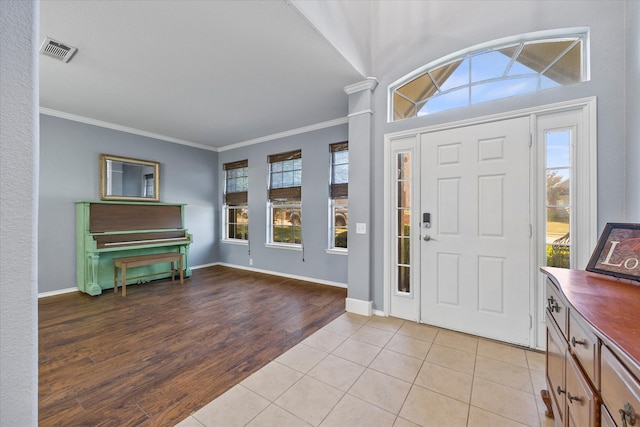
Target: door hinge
x=530, y=322
x=530, y=139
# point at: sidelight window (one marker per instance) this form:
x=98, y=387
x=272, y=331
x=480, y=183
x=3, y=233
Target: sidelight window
x=403, y=221
x=558, y=197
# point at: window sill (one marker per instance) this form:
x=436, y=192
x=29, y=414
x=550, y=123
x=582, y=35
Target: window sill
x=337, y=251
x=283, y=246
x=235, y=242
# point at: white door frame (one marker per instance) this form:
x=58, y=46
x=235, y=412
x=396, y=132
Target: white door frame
x=586, y=222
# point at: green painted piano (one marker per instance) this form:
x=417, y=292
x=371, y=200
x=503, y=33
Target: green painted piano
x=107, y=230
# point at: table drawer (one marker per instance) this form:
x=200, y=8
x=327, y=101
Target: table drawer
x=584, y=345
x=620, y=390
x=556, y=307
x=556, y=354
x=582, y=403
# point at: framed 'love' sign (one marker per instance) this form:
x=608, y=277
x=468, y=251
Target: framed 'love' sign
x=618, y=251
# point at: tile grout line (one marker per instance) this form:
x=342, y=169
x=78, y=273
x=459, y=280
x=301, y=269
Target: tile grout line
x=366, y=367
x=306, y=374
x=413, y=384
x=396, y=333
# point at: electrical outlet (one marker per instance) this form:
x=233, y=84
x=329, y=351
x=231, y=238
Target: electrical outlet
x=250, y=261
x=361, y=228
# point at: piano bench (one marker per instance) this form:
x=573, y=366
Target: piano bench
x=140, y=260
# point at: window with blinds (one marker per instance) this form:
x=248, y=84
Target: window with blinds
x=285, y=198
x=285, y=176
x=236, y=196
x=339, y=193
x=236, y=182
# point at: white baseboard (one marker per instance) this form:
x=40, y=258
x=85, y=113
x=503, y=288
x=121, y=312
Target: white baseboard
x=57, y=292
x=196, y=267
x=289, y=276
x=357, y=306
x=257, y=270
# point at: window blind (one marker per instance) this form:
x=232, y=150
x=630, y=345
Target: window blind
x=236, y=181
x=285, y=176
x=236, y=165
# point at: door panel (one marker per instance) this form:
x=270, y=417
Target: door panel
x=475, y=262
x=449, y=280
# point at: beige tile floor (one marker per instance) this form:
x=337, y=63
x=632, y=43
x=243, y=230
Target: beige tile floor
x=378, y=371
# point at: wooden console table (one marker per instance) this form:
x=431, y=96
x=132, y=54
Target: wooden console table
x=593, y=349
x=137, y=261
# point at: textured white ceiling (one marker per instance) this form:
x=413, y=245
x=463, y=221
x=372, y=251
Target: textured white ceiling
x=209, y=73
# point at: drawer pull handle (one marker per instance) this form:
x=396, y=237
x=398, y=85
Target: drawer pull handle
x=572, y=398
x=553, y=305
x=628, y=415
x=560, y=391
x=575, y=342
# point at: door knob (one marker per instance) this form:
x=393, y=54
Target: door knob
x=427, y=238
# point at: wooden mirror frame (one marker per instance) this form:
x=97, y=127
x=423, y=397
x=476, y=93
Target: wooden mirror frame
x=107, y=180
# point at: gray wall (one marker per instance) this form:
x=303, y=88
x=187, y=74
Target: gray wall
x=69, y=172
x=632, y=91
x=428, y=40
x=315, y=194
x=69, y=153
x=18, y=214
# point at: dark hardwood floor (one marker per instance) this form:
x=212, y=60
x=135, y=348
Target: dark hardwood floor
x=166, y=350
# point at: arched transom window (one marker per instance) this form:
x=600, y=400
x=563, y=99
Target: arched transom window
x=499, y=70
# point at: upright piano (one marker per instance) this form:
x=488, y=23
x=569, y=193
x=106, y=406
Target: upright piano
x=107, y=230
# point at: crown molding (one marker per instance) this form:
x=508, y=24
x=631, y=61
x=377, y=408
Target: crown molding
x=113, y=126
x=292, y=132
x=100, y=123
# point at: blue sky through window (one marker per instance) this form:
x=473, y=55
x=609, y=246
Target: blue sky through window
x=558, y=152
x=489, y=74
x=460, y=77
x=558, y=148
x=484, y=73
x=488, y=65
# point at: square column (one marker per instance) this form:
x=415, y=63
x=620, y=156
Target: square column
x=359, y=293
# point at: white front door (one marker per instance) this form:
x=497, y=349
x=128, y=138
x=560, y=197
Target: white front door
x=475, y=256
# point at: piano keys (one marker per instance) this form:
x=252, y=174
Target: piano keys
x=107, y=230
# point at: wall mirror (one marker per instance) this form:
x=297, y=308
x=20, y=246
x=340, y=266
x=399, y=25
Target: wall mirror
x=122, y=178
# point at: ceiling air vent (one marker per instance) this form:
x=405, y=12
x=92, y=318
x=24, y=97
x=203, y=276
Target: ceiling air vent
x=57, y=50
